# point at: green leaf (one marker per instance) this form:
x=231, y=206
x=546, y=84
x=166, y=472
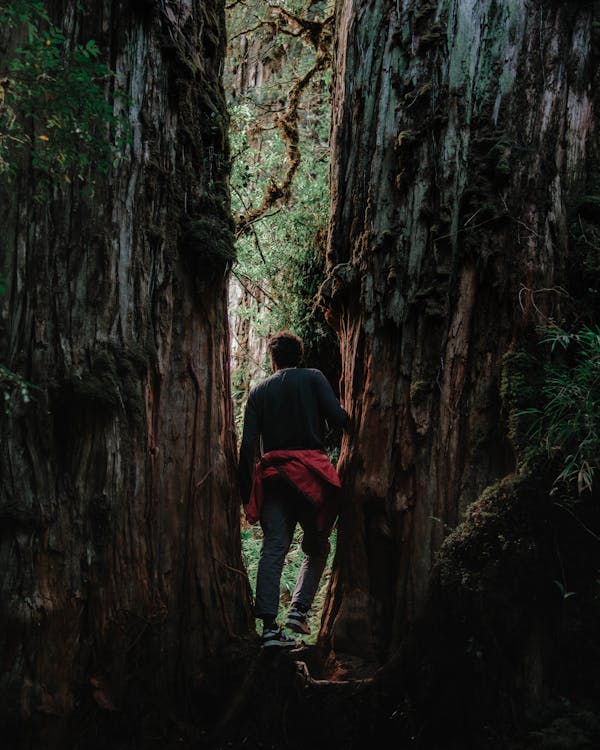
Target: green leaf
x=565, y=594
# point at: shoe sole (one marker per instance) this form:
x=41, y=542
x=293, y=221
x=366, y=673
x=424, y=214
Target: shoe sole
x=297, y=627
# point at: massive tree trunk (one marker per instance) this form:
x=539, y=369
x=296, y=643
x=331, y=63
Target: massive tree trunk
x=462, y=132
x=120, y=548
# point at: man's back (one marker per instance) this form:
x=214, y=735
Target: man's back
x=287, y=411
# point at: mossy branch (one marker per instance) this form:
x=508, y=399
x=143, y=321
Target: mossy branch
x=310, y=30
x=287, y=124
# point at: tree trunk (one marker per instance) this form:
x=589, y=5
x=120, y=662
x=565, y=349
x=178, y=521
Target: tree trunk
x=120, y=542
x=462, y=132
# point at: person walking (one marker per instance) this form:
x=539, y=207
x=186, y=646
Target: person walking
x=286, y=478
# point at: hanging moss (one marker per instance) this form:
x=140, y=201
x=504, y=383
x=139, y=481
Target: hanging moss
x=435, y=34
x=405, y=138
x=419, y=390
x=412, y=97
x=425, y=11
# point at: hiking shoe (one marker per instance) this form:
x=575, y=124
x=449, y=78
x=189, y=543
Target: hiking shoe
x=276, y=638
x=296, y=621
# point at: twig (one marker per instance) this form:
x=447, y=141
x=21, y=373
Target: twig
x=518, y=221
x=287, y=123
x=467, y=229
x=204, y=478
x=579, y=521
x=229, y=567
x=532, y=292
x=249, y=31
x=258, y=218
x=240, y=278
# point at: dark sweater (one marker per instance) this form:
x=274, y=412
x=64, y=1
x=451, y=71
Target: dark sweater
x=288, y=411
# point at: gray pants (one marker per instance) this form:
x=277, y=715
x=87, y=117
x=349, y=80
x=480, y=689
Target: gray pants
x=282, y=509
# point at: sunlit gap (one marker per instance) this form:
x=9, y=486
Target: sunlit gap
x=277, y=79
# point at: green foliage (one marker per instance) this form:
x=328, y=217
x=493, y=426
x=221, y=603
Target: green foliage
x=281, y=254
x=568, y=422
x=15, y=390
x=54, y=111
x=280, y=257
x=251, y=545
x=53, y=103
x=519, y=389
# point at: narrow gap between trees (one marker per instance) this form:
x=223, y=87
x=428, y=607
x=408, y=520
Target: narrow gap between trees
x=277, y=76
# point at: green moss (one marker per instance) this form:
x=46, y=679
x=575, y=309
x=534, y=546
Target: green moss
x=413, y=96
x=208, y=243
x=419, y=389
x=500, y=549
x=434, y=34
x=405, y=138
x=113, y=381
x=520, y=384
x=497, y=596
x=516, y=386
x=425, y=11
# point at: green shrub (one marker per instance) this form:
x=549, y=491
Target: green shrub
x=567, y=423
x=53, y=103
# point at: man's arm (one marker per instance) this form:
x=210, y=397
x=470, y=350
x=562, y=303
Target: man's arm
x=332, y=410
x=248, y=449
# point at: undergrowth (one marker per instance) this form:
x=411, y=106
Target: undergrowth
x=567, y=424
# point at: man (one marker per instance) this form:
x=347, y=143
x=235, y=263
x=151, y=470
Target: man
x=294, y=481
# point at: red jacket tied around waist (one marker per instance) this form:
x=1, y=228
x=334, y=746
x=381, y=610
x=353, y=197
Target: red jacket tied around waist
x=309, y=471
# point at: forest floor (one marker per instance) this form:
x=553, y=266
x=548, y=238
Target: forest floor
x=296, y=699
x=304, y=699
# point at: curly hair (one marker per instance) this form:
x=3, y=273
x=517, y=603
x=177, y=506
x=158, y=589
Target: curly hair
x=286, y=349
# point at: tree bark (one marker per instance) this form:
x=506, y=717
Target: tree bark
x=462, y=134
x=120, y=545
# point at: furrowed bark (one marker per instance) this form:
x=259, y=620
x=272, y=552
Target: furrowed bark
x=120, y=547
x=463, y=133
